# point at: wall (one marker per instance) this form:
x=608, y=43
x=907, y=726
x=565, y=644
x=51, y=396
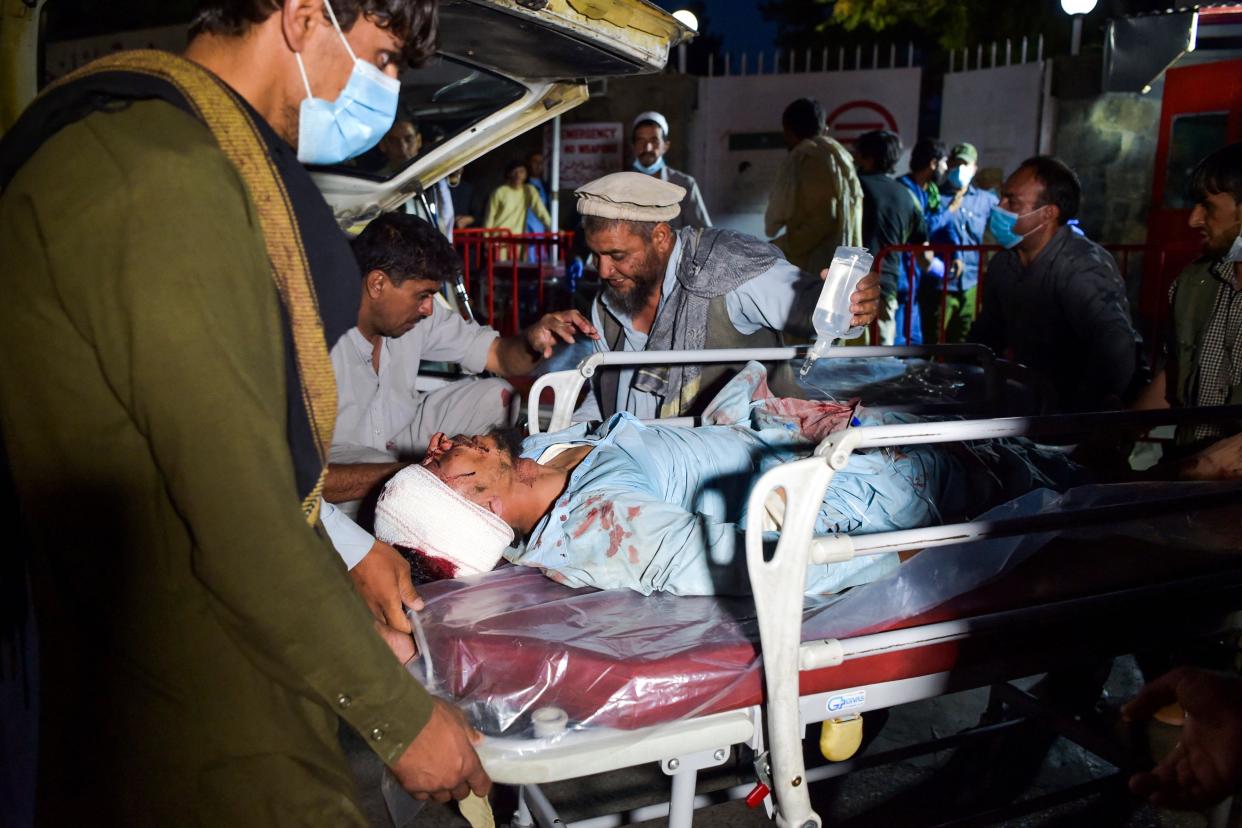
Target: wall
x=737, y=138
x=1110, y=141
x=1005, y=111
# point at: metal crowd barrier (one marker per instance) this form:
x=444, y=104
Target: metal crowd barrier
x=523, y=259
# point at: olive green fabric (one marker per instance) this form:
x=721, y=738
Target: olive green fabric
x=959, y=308
x=1193, y=299
x=198, y=639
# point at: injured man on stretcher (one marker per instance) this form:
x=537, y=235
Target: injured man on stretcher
x=663, y=508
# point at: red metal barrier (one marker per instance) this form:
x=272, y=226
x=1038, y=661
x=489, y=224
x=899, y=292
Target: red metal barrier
x=487, y=251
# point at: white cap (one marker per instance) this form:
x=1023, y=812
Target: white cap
x=630, y=196
x=654, y=117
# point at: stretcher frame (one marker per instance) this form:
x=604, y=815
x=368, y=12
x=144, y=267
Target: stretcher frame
x=775, y=730
x=566, y=386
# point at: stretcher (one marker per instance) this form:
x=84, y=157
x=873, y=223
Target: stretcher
x=566, y=386
x=566, y=683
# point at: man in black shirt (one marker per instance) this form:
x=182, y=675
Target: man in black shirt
x=890, y=217
x=1053, y=299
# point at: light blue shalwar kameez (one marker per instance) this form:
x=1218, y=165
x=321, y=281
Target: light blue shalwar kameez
x=659, y=508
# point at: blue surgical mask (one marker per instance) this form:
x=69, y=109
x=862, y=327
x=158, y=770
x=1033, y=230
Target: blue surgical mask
x=653, y=169
x=959, y=177
x=1001, y=223
x=330, y=132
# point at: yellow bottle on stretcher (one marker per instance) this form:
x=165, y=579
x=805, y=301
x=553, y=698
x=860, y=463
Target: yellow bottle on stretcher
x=840, y=738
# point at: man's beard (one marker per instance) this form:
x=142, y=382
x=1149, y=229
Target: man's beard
x=644, y=283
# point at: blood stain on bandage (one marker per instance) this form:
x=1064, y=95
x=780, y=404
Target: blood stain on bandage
x=424, y=567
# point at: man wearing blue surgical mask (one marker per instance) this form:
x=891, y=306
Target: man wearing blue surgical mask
x=649, y=142
x=1054, y=300
x=200, y=640
x=967, y=208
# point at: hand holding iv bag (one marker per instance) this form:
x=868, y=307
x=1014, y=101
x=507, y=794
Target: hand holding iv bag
x=832, y=316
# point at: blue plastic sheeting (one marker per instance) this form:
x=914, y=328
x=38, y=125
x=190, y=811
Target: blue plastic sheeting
x=889, y=381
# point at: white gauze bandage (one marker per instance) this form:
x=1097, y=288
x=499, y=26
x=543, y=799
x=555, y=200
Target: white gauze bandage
x=419, y=511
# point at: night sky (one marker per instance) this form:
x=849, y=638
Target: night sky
x=738, y=22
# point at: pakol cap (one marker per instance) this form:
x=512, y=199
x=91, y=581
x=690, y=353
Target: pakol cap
x=630, y=196
x=655, y=118
x=966, y=152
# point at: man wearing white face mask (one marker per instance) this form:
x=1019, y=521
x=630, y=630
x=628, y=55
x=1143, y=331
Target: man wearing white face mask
x=1203, y=361
x=1054, y=300
x=200, y=640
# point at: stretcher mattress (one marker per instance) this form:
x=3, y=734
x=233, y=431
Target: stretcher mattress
x=505, y=644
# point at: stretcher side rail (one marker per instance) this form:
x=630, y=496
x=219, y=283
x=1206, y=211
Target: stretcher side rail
x=566, y=386
x=774, y=578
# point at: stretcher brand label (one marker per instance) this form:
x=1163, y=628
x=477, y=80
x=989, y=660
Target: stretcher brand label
x=847, y=700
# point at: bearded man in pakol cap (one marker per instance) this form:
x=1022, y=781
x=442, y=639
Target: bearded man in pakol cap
x=687, y=289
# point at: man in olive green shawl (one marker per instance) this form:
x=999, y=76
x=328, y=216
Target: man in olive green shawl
x=200, y=639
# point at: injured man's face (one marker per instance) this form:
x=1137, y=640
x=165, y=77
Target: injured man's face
x=479, y=468
x=488, y=471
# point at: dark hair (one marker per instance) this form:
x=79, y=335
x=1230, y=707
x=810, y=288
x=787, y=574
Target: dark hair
x=598, y=224
x=405, y=247
x=647, y=122
x=1061, y=186
x=414, y=22
x=1220, y=172
x=881, y=147
x=804, y=117
x=927, y=151
x=513, y=165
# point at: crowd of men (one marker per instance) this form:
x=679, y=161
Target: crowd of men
x=189, y=417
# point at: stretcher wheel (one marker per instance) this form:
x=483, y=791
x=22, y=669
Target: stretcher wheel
x=839, y=738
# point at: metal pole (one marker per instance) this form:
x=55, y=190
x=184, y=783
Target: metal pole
x=681, y=803
x=554, y=184
x=681, y=58
x=1076, y=37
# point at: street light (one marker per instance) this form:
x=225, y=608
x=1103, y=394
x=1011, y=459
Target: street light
x=1076, y=9
x=687, y=19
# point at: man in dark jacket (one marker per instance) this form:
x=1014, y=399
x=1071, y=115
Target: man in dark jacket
x=1054, y=300
x=890, y=217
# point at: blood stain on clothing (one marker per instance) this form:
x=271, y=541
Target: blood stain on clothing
x=633, y=512
x=608, y=523
x=633, y=554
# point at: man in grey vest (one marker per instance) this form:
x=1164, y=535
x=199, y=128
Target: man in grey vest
x=688, y=289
